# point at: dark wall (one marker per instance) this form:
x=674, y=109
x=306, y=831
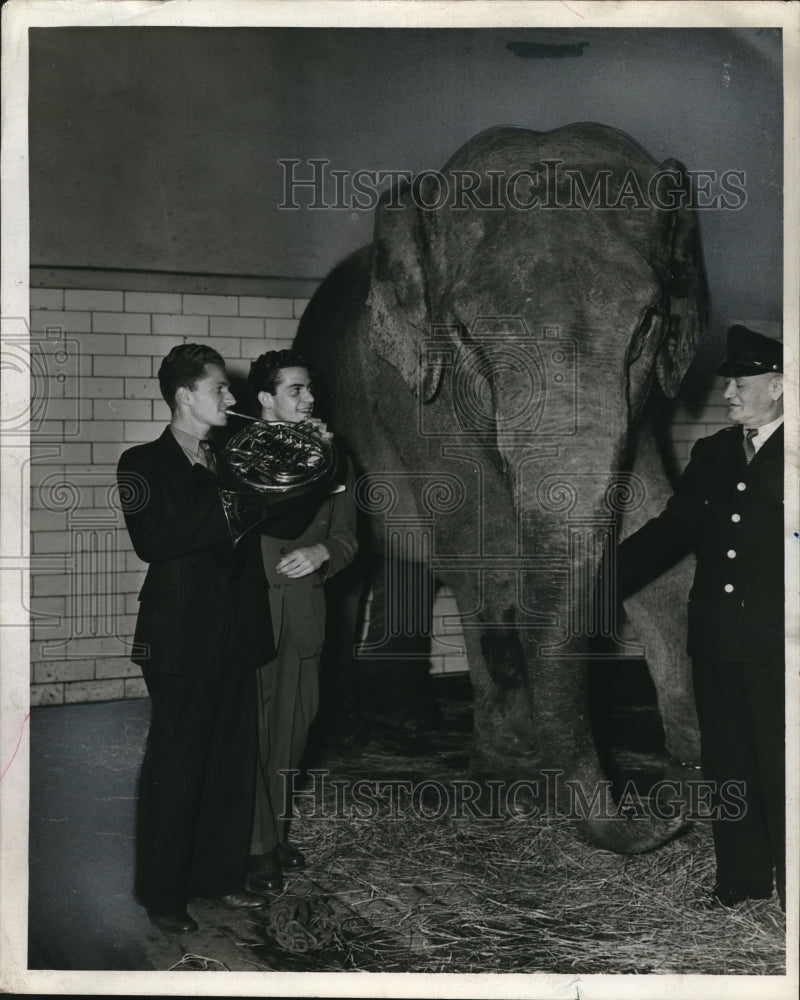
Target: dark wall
x=158, y=148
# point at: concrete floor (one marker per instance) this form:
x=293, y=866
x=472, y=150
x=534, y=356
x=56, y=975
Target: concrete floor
x=82, y=914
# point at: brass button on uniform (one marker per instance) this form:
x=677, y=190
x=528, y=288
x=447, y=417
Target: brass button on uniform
x=728, y=588
x=736, y=518
x=741, y=487
x=731, y=553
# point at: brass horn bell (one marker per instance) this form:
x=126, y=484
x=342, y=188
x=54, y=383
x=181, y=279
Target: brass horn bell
x=268, y=468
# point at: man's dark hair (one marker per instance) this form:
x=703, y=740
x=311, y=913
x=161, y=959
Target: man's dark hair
x=183, y=367
x=265, y=370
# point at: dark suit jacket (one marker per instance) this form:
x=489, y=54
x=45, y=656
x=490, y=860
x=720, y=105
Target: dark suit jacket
x=731, y=515
x=202, y=602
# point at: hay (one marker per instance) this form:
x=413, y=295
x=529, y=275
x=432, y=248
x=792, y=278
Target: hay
x=518, y=894
x=527, y=896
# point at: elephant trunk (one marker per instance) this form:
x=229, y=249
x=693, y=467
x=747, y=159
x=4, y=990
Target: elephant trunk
x=630, y=835
x=532, y=722
x=631, y=824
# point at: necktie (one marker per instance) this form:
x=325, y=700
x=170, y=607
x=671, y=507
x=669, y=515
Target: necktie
x=208, y=454
x=749, y=447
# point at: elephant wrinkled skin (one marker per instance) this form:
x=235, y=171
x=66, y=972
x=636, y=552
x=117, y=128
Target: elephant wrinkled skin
x=488, y=367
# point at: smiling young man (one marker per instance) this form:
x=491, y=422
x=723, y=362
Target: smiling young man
x=728, y=509
x=202, y=629
x=296, y=569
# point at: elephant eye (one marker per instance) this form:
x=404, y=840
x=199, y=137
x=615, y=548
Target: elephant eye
x=651, y=316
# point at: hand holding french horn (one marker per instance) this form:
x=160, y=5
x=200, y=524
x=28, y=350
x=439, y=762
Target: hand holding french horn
x=268, y=467
x=316, y=426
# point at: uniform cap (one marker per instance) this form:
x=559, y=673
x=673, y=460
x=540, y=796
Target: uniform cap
x=751, y=353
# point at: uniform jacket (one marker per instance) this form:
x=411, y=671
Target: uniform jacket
x=303, y=600
x=731, y=515
x=202, y=601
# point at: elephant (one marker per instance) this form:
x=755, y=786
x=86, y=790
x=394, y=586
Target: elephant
x=489, y=360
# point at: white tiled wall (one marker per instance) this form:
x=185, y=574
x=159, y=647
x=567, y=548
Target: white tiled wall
x=686, y=429
x=94, y=394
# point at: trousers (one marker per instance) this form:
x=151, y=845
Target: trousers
x=288, y=699
x=195, y=804
x=740, y=707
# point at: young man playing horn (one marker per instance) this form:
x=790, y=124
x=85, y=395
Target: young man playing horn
x=296, y=570
x=202, y=629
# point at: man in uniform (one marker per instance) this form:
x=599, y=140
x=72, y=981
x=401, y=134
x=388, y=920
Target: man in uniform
x=728, y=509
x=203, y=628
x=296, y=569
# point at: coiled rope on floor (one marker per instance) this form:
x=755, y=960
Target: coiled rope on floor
x=302, y=923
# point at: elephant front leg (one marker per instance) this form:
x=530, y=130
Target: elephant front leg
x=503, y=736
x=504, y=741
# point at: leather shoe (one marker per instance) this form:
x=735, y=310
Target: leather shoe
x=268, y=876
x=243, y=900
x=173, y=923
x=290, y=857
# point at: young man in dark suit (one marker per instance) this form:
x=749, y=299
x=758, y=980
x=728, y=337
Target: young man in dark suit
x=728, y=509
x=203, y=628
x=296, y=565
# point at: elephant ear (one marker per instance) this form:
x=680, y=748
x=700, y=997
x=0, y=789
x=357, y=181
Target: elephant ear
x=398, y=300
x=686, y=309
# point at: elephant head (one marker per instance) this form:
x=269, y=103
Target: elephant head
x=608, y=251
x=518, y=306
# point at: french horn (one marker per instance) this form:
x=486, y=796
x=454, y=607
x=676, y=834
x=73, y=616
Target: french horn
x=269, y=467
